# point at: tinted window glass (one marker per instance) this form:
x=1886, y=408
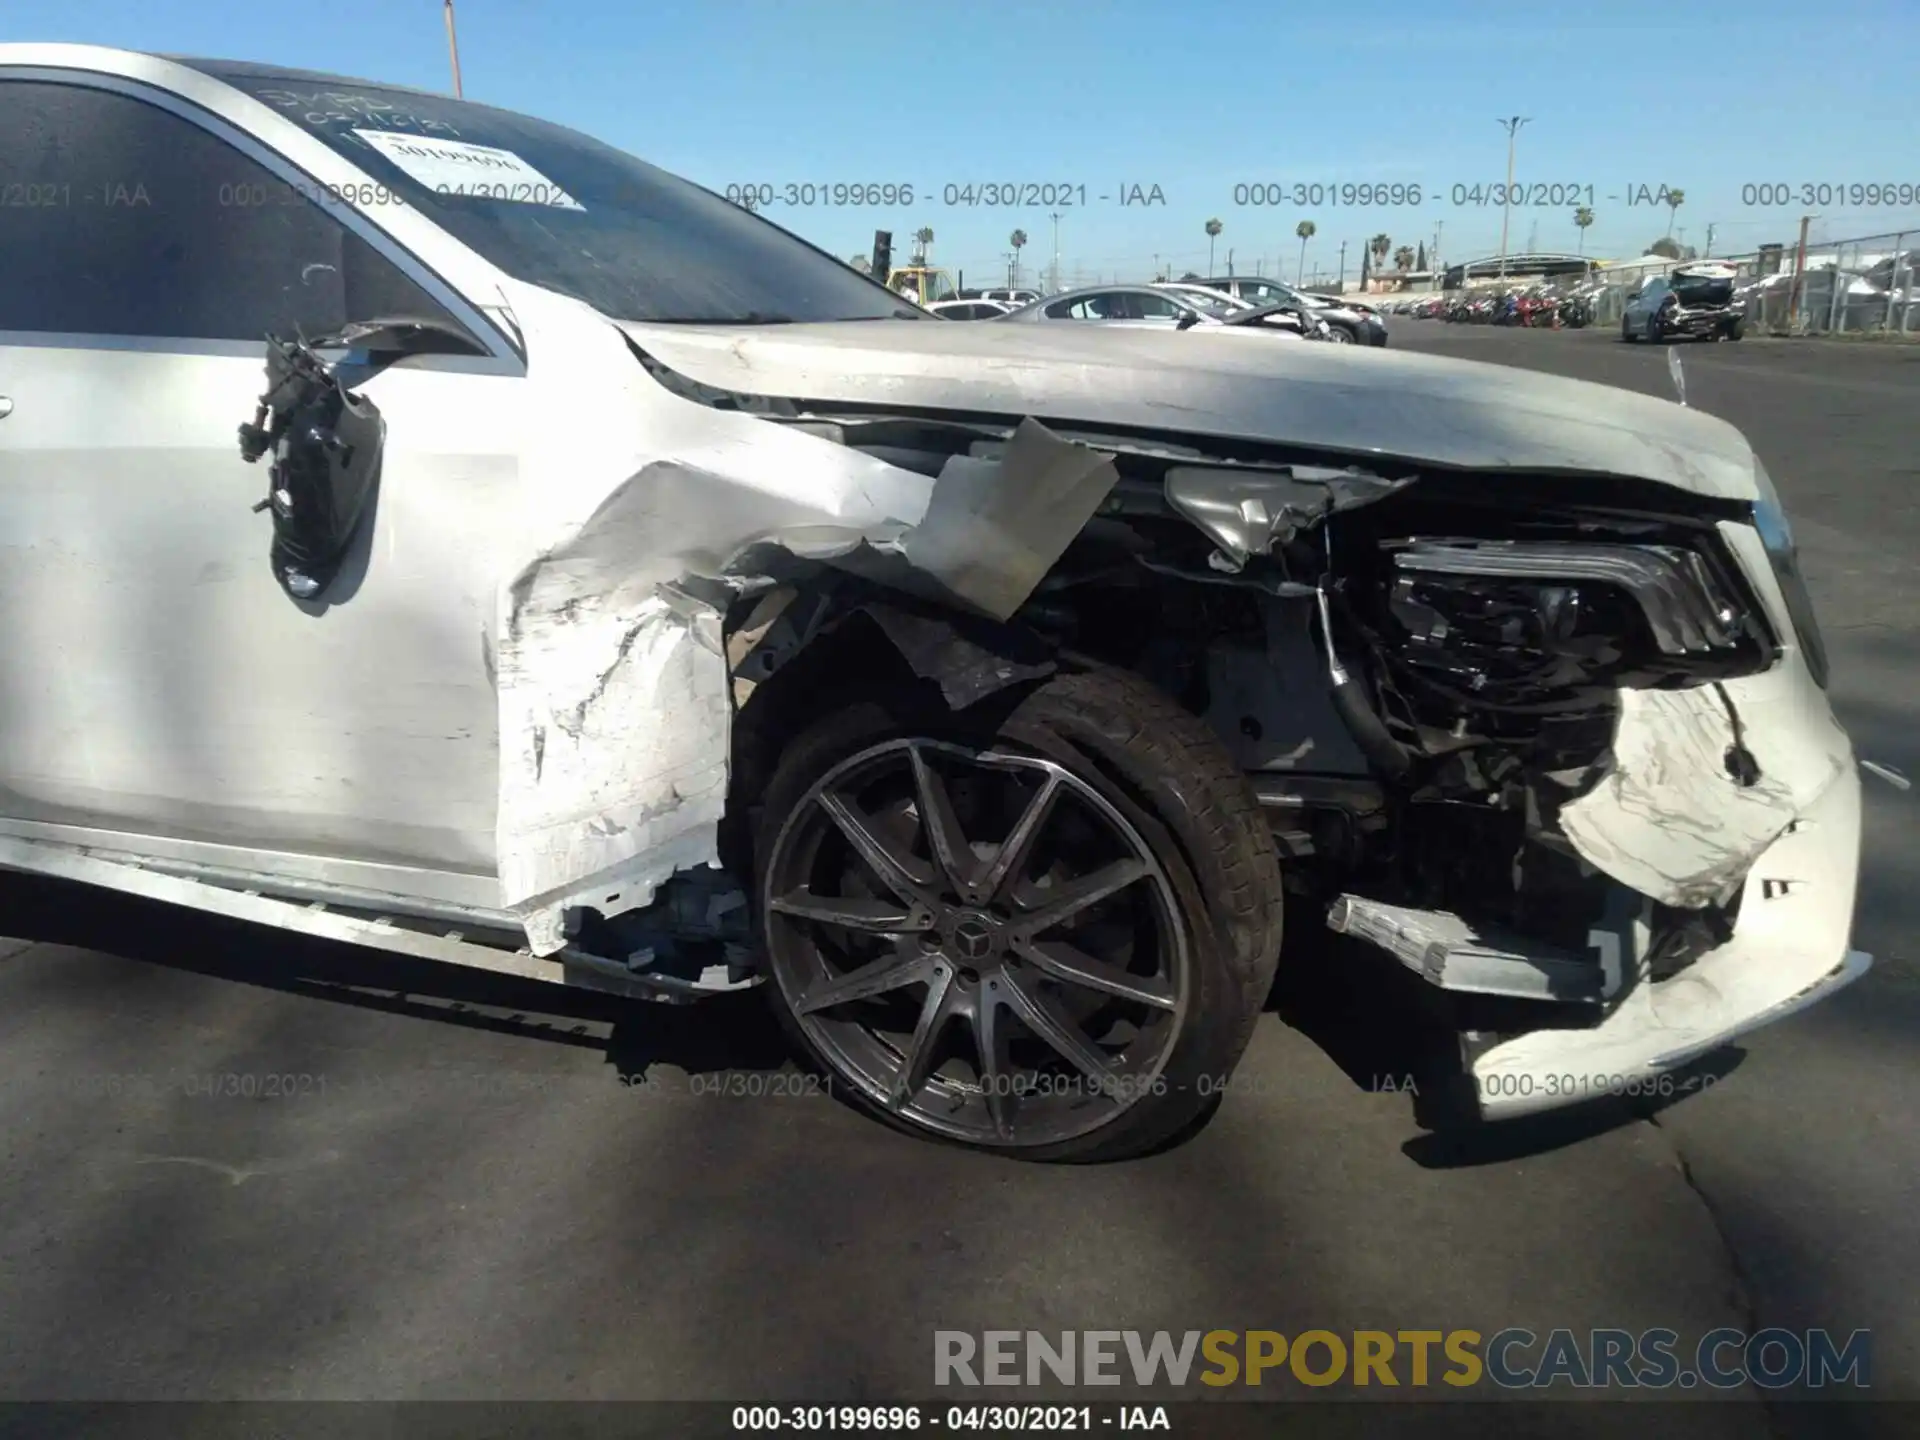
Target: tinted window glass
x=1155, y=307
x=559, y=209
x=118, y=218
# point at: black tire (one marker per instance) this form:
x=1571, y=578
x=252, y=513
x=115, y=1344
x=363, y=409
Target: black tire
x=1342, y=334
x=1179, y=793
x=1736, y=328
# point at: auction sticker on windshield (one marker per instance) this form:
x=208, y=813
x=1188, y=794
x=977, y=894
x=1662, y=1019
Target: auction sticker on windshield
x=454, y=167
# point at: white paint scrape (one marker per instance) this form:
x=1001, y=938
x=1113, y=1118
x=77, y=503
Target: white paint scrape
x=1669, y=819
x=614, y=687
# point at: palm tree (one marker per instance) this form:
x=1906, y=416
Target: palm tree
x=1305, y=230
x=1379, y=245
x=1214, y=227
x=1582, y=218
x=1675, y=199
x=923, y=237
x=1019, y=241
x=1403, y=258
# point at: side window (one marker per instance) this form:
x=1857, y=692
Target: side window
x=119, y=218
x=1065, y=310
x=1155, y=307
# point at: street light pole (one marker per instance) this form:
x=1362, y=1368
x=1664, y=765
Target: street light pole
x=1512, y=126
x=453, y=50
x=1056, y=251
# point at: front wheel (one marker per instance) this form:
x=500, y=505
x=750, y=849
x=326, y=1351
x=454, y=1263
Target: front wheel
x=1045, y=932
x=1736, y=328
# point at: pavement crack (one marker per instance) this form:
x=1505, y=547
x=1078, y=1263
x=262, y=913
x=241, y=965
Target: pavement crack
x=1749, y=1295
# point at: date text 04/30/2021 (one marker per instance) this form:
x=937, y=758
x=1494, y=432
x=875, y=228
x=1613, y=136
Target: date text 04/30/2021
x=959, y=1419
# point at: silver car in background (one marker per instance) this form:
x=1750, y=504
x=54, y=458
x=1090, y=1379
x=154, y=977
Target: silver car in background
x=1157, y=307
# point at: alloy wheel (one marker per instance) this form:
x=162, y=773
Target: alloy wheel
x=979, y=941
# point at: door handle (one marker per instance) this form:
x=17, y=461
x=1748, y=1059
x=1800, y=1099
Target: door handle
x=6, y=406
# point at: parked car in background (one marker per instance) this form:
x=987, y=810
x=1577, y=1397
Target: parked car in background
x=1014, y=297
x=1695, y=301
x=1158, y=308
x=1347, y=325
x=968, y=309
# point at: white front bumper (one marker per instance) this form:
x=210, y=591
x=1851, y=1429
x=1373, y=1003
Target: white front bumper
x=1789, y=949
x=1670, y=824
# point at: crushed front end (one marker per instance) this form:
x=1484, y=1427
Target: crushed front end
x=1570, y=762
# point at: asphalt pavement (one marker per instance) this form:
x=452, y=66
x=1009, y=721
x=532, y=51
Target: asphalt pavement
x=422, y=1184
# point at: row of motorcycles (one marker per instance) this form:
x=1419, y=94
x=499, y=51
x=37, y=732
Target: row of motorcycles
x=1539, y=307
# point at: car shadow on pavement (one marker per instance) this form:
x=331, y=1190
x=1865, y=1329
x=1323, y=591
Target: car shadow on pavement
x=723, y=1033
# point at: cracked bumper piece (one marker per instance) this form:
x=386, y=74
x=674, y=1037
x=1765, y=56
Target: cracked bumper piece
x=1789, y=950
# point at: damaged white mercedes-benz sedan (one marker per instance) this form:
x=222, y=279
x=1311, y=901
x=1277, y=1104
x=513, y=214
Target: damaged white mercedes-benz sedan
x=430, y=528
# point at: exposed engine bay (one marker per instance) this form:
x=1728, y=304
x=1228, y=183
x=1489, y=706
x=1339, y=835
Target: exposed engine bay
x=1421, y=680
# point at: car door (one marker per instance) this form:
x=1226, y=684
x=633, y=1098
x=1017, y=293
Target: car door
x=157, y=687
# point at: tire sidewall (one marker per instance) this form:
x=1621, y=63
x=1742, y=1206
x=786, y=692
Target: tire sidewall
x=1222, y=970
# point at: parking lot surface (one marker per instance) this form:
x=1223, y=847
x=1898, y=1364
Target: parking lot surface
x=438, y=1186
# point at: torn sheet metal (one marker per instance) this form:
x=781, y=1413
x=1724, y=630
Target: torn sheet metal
x=965, y=670
x=994, y=527
x=615, y=688
x=1670, y=816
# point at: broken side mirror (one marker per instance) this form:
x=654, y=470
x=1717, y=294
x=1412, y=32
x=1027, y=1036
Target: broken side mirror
x=325, y=445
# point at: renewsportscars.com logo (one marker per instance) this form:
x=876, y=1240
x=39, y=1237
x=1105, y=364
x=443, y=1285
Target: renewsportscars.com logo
x=1510, y=1359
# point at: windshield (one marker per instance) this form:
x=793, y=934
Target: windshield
x=558, y=209
x=1211, y=301
x=1264, y=292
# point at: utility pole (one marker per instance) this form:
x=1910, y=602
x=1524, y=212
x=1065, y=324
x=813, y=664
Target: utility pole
x=453, y=50
x=1056, y=252
x=1512, y=126
x=1343, y=267
x=1800, y=269
x=1156, y=264
x=1709, y=252
x=1433, y=260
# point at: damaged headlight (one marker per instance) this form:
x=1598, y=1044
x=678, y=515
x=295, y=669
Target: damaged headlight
x=1776, y=534
x=1541, y=625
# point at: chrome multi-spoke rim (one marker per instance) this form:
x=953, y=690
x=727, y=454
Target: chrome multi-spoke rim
x=979, y=940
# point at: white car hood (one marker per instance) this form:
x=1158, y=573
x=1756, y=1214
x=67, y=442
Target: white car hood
x=1355, y=400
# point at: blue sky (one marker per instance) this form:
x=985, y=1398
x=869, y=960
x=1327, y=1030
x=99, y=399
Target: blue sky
x=1195, y=98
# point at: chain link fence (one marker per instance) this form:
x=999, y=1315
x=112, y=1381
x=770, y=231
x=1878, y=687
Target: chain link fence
x=1863, y=286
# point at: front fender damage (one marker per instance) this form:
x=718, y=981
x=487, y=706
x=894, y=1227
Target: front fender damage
x=615, y=684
